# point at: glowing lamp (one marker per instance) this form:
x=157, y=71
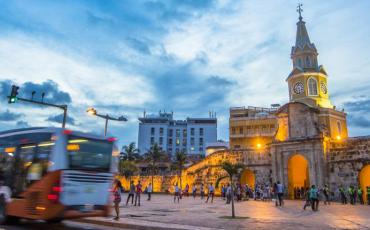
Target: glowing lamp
x=73, y=147
x=338, y=138
x=10, y=150
x=91, y=111
x=259, y=145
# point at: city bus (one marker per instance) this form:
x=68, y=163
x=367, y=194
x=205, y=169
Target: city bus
x=53, y=174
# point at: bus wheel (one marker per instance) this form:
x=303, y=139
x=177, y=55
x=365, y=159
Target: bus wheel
x=54, y=221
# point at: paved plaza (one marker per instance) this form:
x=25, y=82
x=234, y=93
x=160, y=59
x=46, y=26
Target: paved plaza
x=162, y=213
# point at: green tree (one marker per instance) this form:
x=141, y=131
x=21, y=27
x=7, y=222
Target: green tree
x=127, y=168
x=232, y=170
x=130, y=152
x=179, y=162
x=153, y=156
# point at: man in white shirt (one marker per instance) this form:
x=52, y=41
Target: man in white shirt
x=177, y=194
x=149, y=191
x=211, y=192
x=5, y=191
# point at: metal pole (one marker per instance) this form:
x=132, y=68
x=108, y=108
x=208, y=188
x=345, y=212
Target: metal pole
x=64, y=116
x=106, y=125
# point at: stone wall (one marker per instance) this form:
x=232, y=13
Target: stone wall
x=345, y=161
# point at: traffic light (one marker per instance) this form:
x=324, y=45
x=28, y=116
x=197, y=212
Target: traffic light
x=13, y=95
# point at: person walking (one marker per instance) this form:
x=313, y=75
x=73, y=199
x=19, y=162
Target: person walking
x=326, y=193
x=131, y=193
x=117, y=197
x=211, y=192
x=177, y=194
x=360, y=195
x=201, y=191
x=351, y=194
x=149, y=190
x=228, y=194
x=194, y=192
x=314, y=197
x=280, y=193
x=308, y=199
x=138, y=192
x=342, y=193
x=187, y=190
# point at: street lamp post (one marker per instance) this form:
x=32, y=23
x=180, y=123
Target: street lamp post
x=93, y=112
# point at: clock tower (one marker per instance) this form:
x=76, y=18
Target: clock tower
x=308, y=80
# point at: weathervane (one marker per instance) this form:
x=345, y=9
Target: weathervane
x=299, y=10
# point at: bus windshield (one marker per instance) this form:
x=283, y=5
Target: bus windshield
x=89, y=154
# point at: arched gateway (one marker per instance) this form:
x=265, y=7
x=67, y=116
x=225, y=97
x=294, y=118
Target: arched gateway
x=364, y=179
x=248, y=177
x=298, y=174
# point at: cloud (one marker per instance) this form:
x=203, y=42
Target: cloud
x=10, y=116
x=59, y=119
x=51, y=89
x=22, y=124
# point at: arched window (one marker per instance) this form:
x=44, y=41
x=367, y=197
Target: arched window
x=299, y=62
x=308, y=62
x=339, y=128
x=312, y=87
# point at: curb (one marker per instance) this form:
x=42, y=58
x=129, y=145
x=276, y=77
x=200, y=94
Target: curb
x=145, y=225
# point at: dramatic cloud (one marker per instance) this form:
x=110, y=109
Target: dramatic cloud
x=10, y=116
x=22, y=124
x=49, y=87
x=187, y=56
x=59, y=119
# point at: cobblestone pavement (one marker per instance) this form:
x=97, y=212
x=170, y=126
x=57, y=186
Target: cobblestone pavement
x=191, y=213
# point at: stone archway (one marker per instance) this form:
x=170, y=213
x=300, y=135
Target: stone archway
x=248, y=177
x=364, y=179
x=298, y=174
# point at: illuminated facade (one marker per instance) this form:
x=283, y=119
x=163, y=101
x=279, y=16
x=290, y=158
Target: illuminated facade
x=301, y=143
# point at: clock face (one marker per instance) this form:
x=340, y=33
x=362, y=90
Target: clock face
x=323, y=87
x=298, y=88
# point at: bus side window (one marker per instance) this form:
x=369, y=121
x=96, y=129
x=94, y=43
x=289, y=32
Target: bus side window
x=23, y=169
x=43, y=156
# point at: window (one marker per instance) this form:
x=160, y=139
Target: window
x=170, y=132
x=161, y=131
x=299, y=62
x=201, y=131
x=184, y=132
x=200, y=141
x=312, y=86
x=192, y=131
x=339, y=128
x=161, y=140
x=241, y=130
x=170, y=141
x=233, y=130
x=184, y=142
x=177, y=150
x=177, y=141
x=192, y=141
x=170, y=150
x=308, y=62
x=152, y=140
x=177, y=132
x=200, y=149
x=152, y=131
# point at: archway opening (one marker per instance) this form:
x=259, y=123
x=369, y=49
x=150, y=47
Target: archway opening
x=248, y=178
x=298, y=176
x=364, y=179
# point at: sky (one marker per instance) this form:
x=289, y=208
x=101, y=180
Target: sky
x=186, y=56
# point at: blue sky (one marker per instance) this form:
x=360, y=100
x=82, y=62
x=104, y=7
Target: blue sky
x=190, y=57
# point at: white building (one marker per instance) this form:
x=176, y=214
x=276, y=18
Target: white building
x=190, y=135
